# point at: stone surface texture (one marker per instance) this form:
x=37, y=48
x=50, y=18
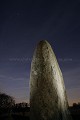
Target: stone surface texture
x=48, y=100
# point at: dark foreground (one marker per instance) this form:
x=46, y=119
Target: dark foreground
x=25, y=114
x=20, y=117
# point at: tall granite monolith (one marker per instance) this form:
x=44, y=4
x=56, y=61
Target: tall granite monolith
x=48, y=100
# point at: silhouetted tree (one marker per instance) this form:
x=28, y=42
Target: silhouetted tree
x=6, y=103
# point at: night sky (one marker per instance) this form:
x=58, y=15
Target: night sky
x=23, y=23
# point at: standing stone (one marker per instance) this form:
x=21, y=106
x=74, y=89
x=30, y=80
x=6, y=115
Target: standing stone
x=48, y=99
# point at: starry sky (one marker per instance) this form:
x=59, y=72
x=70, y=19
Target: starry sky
x=23, y=23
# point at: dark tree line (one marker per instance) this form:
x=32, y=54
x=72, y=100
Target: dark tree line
x=11, y=111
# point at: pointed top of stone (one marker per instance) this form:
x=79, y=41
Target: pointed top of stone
x=43, y=42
